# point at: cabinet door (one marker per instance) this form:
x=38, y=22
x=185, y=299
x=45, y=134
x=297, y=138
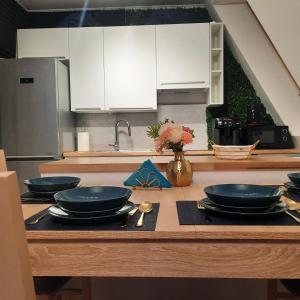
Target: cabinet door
x=130, y=68
x=182, y=56
x=49, y=42
x=86, y=69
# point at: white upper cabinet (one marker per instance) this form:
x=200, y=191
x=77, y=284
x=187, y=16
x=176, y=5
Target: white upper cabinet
x=86, y=69
x=121, y=68
x=130, y=68
x=183, y=56
x=49, y=42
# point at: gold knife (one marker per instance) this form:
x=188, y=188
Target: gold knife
x=130, y=214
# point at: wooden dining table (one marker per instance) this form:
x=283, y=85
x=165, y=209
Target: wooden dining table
x=172, y=250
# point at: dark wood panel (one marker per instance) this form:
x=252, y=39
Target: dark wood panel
x=12, y=16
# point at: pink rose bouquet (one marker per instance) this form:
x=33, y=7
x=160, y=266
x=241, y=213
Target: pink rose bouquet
x=169, y=135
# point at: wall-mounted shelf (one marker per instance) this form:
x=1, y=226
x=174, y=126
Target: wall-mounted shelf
x=216, y=90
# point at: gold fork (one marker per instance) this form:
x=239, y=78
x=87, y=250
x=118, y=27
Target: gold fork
x=39, y=218
x=199, y=206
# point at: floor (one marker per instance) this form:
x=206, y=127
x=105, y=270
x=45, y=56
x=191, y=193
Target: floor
x=175, y=289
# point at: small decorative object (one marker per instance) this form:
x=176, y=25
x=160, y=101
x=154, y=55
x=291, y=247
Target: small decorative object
x=83, y=141
x=169, y=135
x=147, y=176
x=233, y=152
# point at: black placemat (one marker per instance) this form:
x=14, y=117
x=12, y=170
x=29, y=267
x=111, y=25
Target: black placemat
x=51, y=223
x=189, y=214
x=31, y=198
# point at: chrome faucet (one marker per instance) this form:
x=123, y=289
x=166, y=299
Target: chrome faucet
x=116, y=145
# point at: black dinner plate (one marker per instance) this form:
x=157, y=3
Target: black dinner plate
x=51, y=184
x=61, y=215
x=243, y=195
x=276, y=211
x=29, y=196
x=93, y=198
x=251, y=209
x=291, y=186
x=44, y=194
x=295, y=178
x=90, y=213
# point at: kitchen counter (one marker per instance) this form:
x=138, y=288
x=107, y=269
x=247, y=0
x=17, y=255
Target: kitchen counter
x=199, y=163
x=168, y=153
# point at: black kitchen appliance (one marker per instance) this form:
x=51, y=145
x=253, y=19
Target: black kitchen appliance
x=270, y=136
x=227, y=131
x=256, y=115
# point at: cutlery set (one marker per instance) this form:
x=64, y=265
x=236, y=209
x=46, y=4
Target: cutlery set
x=104, y=204
x=144, y=207
x=86, y=205
x=246, y=201
x=201, y=207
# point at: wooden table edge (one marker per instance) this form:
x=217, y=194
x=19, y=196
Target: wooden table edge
x=211, y=233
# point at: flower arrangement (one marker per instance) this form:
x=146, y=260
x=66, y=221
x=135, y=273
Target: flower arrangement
x=170, y=135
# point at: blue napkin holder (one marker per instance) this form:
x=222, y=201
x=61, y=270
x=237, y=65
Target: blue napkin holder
x=147, y=176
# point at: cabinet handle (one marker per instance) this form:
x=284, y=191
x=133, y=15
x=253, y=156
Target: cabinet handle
x=186, y=82
x=87, y=109
x=135, y=108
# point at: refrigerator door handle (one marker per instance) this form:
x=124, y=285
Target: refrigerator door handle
x=30, y=157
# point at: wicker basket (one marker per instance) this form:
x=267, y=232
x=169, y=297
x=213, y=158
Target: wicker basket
x=233, y=152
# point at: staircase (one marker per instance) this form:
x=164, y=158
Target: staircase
x=268, y=73
x=281, y=22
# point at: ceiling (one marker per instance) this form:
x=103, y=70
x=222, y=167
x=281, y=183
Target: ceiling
x=33, y=5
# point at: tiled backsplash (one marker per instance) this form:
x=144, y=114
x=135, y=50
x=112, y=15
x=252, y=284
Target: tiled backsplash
x=102, y=131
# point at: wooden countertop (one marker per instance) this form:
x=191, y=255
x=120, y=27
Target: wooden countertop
x=172, y=250
x=199, y=163
x=167, y=153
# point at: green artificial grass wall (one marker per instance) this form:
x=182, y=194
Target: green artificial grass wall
x=238, y=94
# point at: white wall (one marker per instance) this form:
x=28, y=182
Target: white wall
x=261, y=63
x=281, y=22
x=102, y=131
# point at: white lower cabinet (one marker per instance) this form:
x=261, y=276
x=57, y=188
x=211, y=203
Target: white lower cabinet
x=183, y=56
x=130, y=68
x=47, y=42
x=86, y=69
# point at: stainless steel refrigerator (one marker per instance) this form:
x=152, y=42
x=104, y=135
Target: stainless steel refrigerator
x=36, y=124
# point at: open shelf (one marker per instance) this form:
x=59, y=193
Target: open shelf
x=216, y=90
x=216, y=64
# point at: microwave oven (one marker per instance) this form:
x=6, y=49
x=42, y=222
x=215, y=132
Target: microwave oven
x=271, y=137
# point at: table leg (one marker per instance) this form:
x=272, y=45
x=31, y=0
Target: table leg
x=86, y=288
x=272, y=290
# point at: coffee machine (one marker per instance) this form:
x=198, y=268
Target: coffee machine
x=227, y=131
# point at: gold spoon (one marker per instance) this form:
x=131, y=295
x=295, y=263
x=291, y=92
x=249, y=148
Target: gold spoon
x=293, y=205
x=144, y=208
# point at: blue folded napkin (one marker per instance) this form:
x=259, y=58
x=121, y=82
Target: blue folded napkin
x=147, y=175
